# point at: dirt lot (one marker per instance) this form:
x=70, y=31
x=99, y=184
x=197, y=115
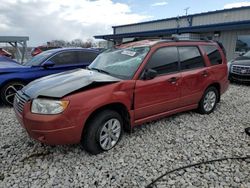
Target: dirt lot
x=140, y=157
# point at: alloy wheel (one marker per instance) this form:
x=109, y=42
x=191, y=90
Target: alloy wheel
x=10, y=92
x=110, y=134
x=209, y=101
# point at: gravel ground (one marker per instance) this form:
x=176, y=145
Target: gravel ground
x=140, y=157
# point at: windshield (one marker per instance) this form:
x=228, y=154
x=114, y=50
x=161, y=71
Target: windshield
x=121, y=63
x=247, y=54
x=38, y=59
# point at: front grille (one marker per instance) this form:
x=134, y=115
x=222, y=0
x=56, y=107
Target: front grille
x=241, y=70
x=242, y=78
x=19, y=101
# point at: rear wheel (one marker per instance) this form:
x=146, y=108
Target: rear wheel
x=9, y=90
x=209, y=100
x=102, y=132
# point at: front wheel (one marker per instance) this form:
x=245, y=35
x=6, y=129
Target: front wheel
x=102, y=132
x=209, y=100
x=8, y=92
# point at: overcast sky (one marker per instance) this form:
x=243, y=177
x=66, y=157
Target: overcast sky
x=45, y=20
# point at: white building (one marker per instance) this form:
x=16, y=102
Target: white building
x=229, y=26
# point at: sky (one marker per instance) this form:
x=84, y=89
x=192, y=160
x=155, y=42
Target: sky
x=46, y=20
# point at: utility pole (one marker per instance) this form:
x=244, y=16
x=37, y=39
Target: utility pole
x=186, y=10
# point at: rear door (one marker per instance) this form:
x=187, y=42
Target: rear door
x=217, y=65
x=194, y=74
x=162, y=93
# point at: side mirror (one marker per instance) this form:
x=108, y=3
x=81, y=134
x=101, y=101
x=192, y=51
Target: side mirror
x=241, y=53
x=48, y=64
x=149, y=74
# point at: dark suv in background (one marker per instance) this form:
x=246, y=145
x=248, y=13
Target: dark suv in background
x=239, y=69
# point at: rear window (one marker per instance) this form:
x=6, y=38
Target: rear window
x=190, y=58
x=213, y=54
x=65, y=58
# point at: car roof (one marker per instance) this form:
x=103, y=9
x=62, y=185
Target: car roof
x=72, y=49
x=139, y=43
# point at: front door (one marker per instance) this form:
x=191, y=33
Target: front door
x=161, y=93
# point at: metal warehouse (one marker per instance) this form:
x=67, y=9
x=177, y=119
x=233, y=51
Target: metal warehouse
x=229, y=26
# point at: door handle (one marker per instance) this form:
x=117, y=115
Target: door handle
x=204, y=74
x=173, y=80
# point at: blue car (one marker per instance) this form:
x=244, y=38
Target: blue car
x=14, y=76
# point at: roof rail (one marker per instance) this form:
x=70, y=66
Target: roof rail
x=185, y=38
x=172, y=38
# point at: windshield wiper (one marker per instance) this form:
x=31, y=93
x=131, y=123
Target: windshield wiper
x=99, y=70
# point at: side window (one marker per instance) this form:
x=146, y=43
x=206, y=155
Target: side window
x=65, y=58
x=164, y=60
x=190, y=58
x=86, y=57
x=213, y=54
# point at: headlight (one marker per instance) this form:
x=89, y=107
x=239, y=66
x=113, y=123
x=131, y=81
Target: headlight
x=46, y=106
x=229, y=65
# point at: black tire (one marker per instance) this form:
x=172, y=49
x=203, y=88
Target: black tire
x=230, y=80
x=91, y=135
x=6, y=90
x=202, y=109
x=247, y=130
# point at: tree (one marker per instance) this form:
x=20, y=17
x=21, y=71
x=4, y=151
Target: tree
x=77, y=43
x=74, y=43
x=61, y=43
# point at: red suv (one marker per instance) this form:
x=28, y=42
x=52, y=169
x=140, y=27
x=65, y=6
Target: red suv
x=37, y=50
x=125, y=86
x=3, y=52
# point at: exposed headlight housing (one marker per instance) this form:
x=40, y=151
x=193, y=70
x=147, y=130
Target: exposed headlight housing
x=229, y=66
x=48, y=106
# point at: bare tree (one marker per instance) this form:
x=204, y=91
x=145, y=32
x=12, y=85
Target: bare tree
x=74, y=43
x=61, y=43
x=77, y=43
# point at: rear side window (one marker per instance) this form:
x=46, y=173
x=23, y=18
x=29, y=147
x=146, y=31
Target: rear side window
x=65, y=58
x=190, y=58
x=86, y=57
x=213, y=54
x=164, y=60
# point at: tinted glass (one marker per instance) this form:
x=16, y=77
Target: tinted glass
x=247, y=54
x=86, y=57
x=190, y=58
x=65, y=58
x=213, y=54
x=243, y=43
x=164, y=60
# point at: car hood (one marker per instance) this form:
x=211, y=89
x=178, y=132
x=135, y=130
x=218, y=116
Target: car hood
x=242, y=58
x=62, y=84
x=10, y=66
x=241, y=62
